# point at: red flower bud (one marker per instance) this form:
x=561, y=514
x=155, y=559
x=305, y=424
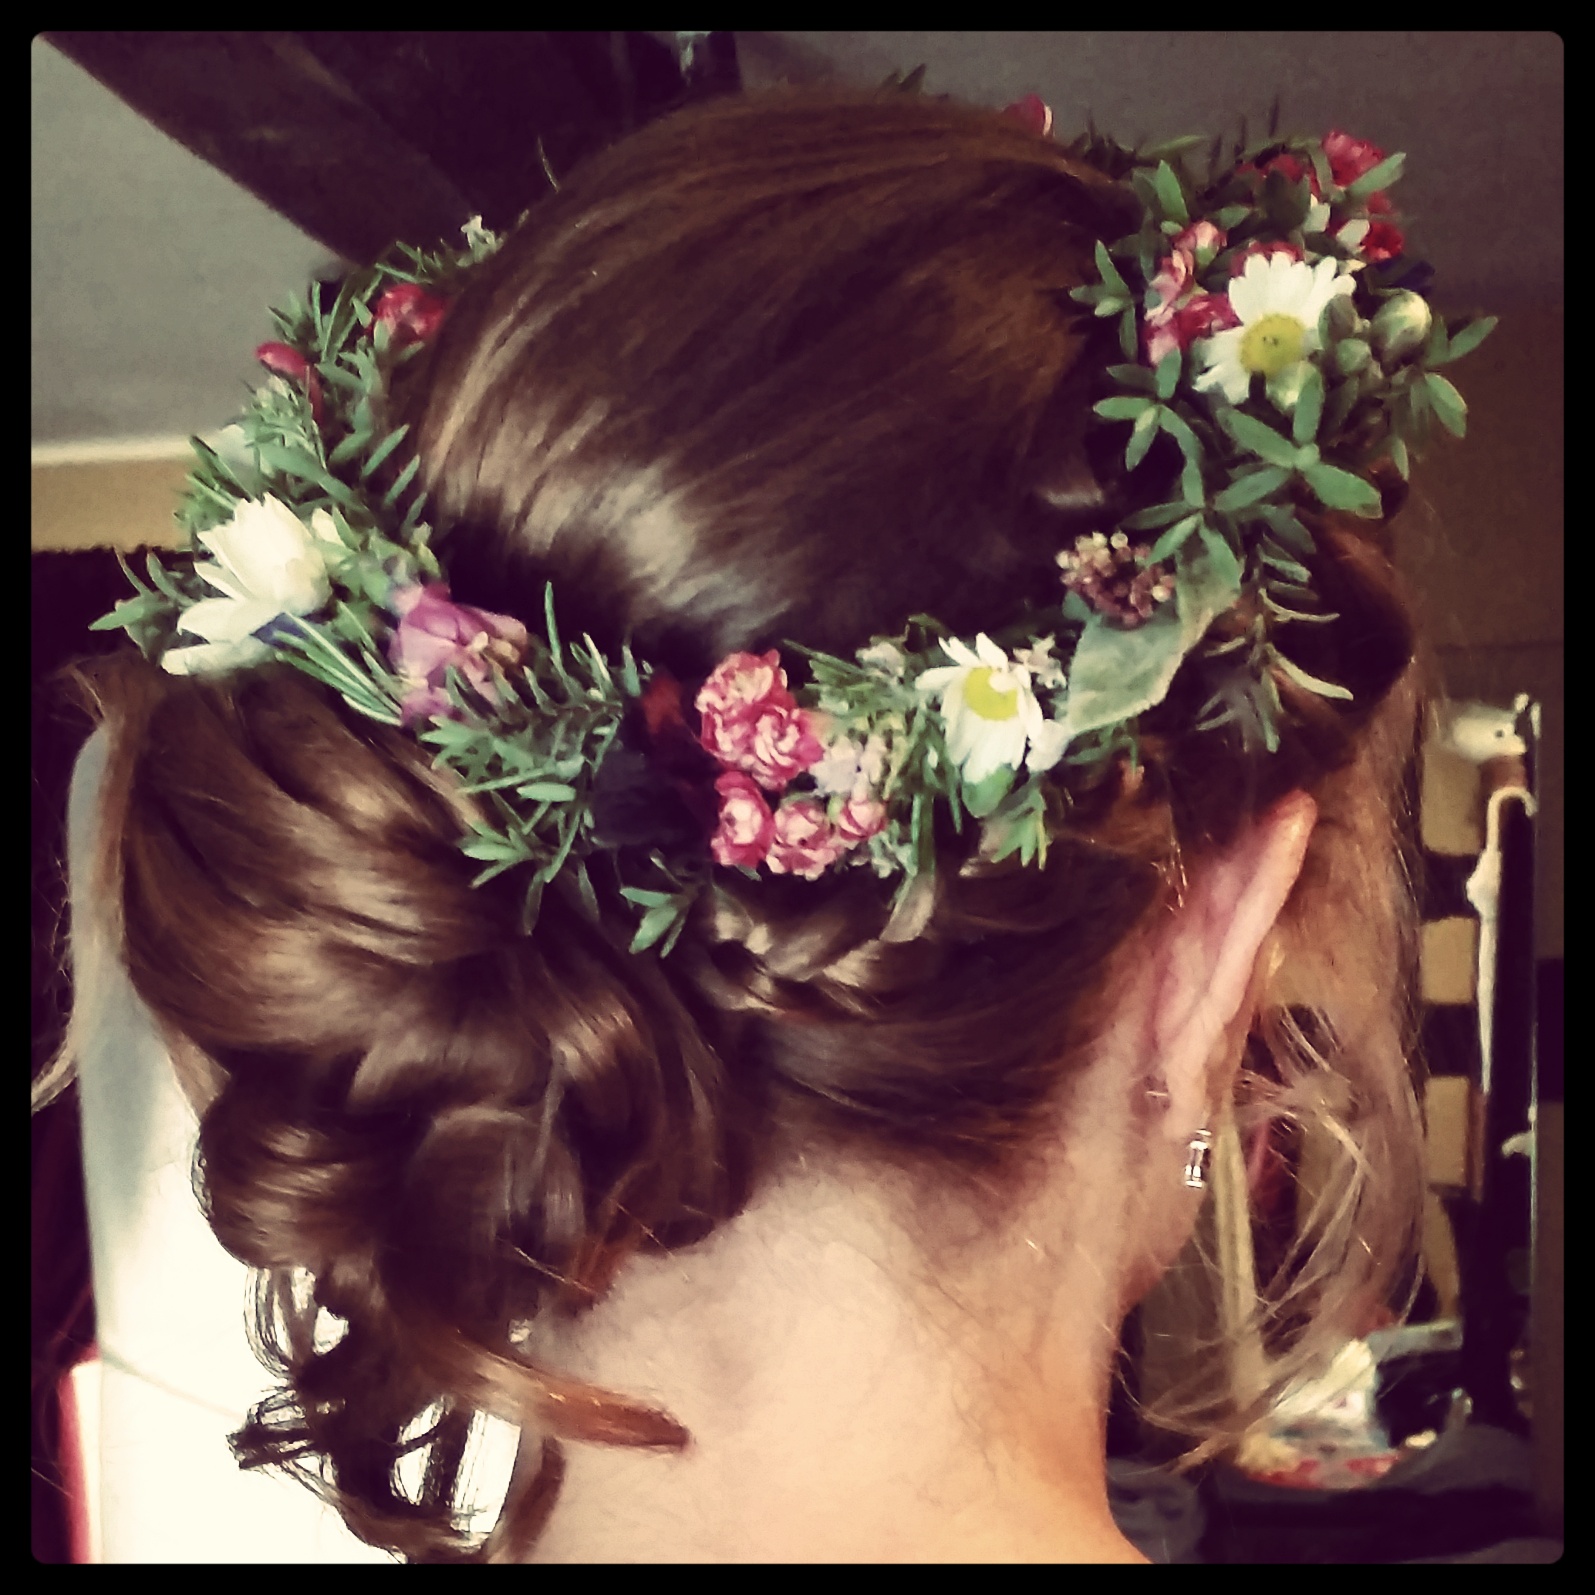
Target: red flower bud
x=287, y=361
x=409, y=312
x=1033, y=112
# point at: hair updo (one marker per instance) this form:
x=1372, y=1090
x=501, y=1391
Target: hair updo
x=788, y=366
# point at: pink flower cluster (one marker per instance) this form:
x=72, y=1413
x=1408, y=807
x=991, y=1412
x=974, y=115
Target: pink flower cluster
x=1185, y=312
x=1105, y=572
x=753, y=727
x=1349, y=158
x=434, y=633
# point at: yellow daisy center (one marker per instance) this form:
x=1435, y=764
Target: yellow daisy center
x=986, y=700
x=1273, y=344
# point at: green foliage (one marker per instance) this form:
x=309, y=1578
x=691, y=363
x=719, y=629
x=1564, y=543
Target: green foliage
x=527, y=745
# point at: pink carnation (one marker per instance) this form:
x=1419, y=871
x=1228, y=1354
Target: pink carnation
x=434, y=633
x=1350, y=158
x=751, y=722
x=1168, y=327
x=746, y=825
x=1199, y=317
x=804, y=842
x=860, y=819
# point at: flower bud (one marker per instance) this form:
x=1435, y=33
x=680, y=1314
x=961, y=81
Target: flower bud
x=1401, y=325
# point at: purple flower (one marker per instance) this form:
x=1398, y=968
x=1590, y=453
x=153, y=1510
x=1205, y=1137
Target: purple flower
x=433, y=634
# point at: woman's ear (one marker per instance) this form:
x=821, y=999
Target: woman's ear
x=1212, y=951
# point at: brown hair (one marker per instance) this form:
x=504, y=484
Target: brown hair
x=787, y=366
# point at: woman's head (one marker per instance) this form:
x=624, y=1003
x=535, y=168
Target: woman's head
x=789, y=369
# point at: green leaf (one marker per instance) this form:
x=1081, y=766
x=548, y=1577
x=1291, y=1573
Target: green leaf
x=1381, y=176
x=1173, y=538
x=1285, y=565
x=402, y=481
x=1260, y=439
x=1156, y=515
x=1449, y=405
x=1222, y=559
x=1168, y=374
x=1438, y=348
x=654, y=925
x=1127, y=332
x=675, y=932
x=383, y=450
x=1176, y=428
x=635, y=894
x=1398, y=453
x=1309, y=407
x=299, y=465
x=1325, y=689
x=1134, y=376
x=489, y=845
x=1341, y=490
x=1321, y=168
x=1127, y=408
x=348, y=448
x=130, y=612
x=1140, y=439
x=1110, y=272
x=339, y=378
x=1249, y=489
x=1288, y=616
x=546, y=792
x=1282, y=521
x=1116, y=673
x=982, y=797
x=1169, y=194
x=1466, y=341
x=159, y=576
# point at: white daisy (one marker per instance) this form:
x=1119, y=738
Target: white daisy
x=990, y=711
x=1278, y=301
x=268, y=563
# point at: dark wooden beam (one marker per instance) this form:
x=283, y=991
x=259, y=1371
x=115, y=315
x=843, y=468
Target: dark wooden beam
x=363, y=138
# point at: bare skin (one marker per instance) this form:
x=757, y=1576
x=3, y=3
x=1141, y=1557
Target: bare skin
x=851, y=1397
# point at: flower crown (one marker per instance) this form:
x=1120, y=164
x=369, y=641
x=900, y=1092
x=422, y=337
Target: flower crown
x=1270, y=325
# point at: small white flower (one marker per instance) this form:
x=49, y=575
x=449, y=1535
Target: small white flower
x=1278, y=301
x=267, y=563
x=839, y=769
x=1039, y=662
x=851, y=770
x=990, y=711
x=885, y=656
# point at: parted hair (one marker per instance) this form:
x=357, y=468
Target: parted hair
x=788, y=365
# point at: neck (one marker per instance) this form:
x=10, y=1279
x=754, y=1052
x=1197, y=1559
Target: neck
x=839, y=1410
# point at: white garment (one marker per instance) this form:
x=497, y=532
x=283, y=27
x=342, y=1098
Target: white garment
x=178, y=1374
